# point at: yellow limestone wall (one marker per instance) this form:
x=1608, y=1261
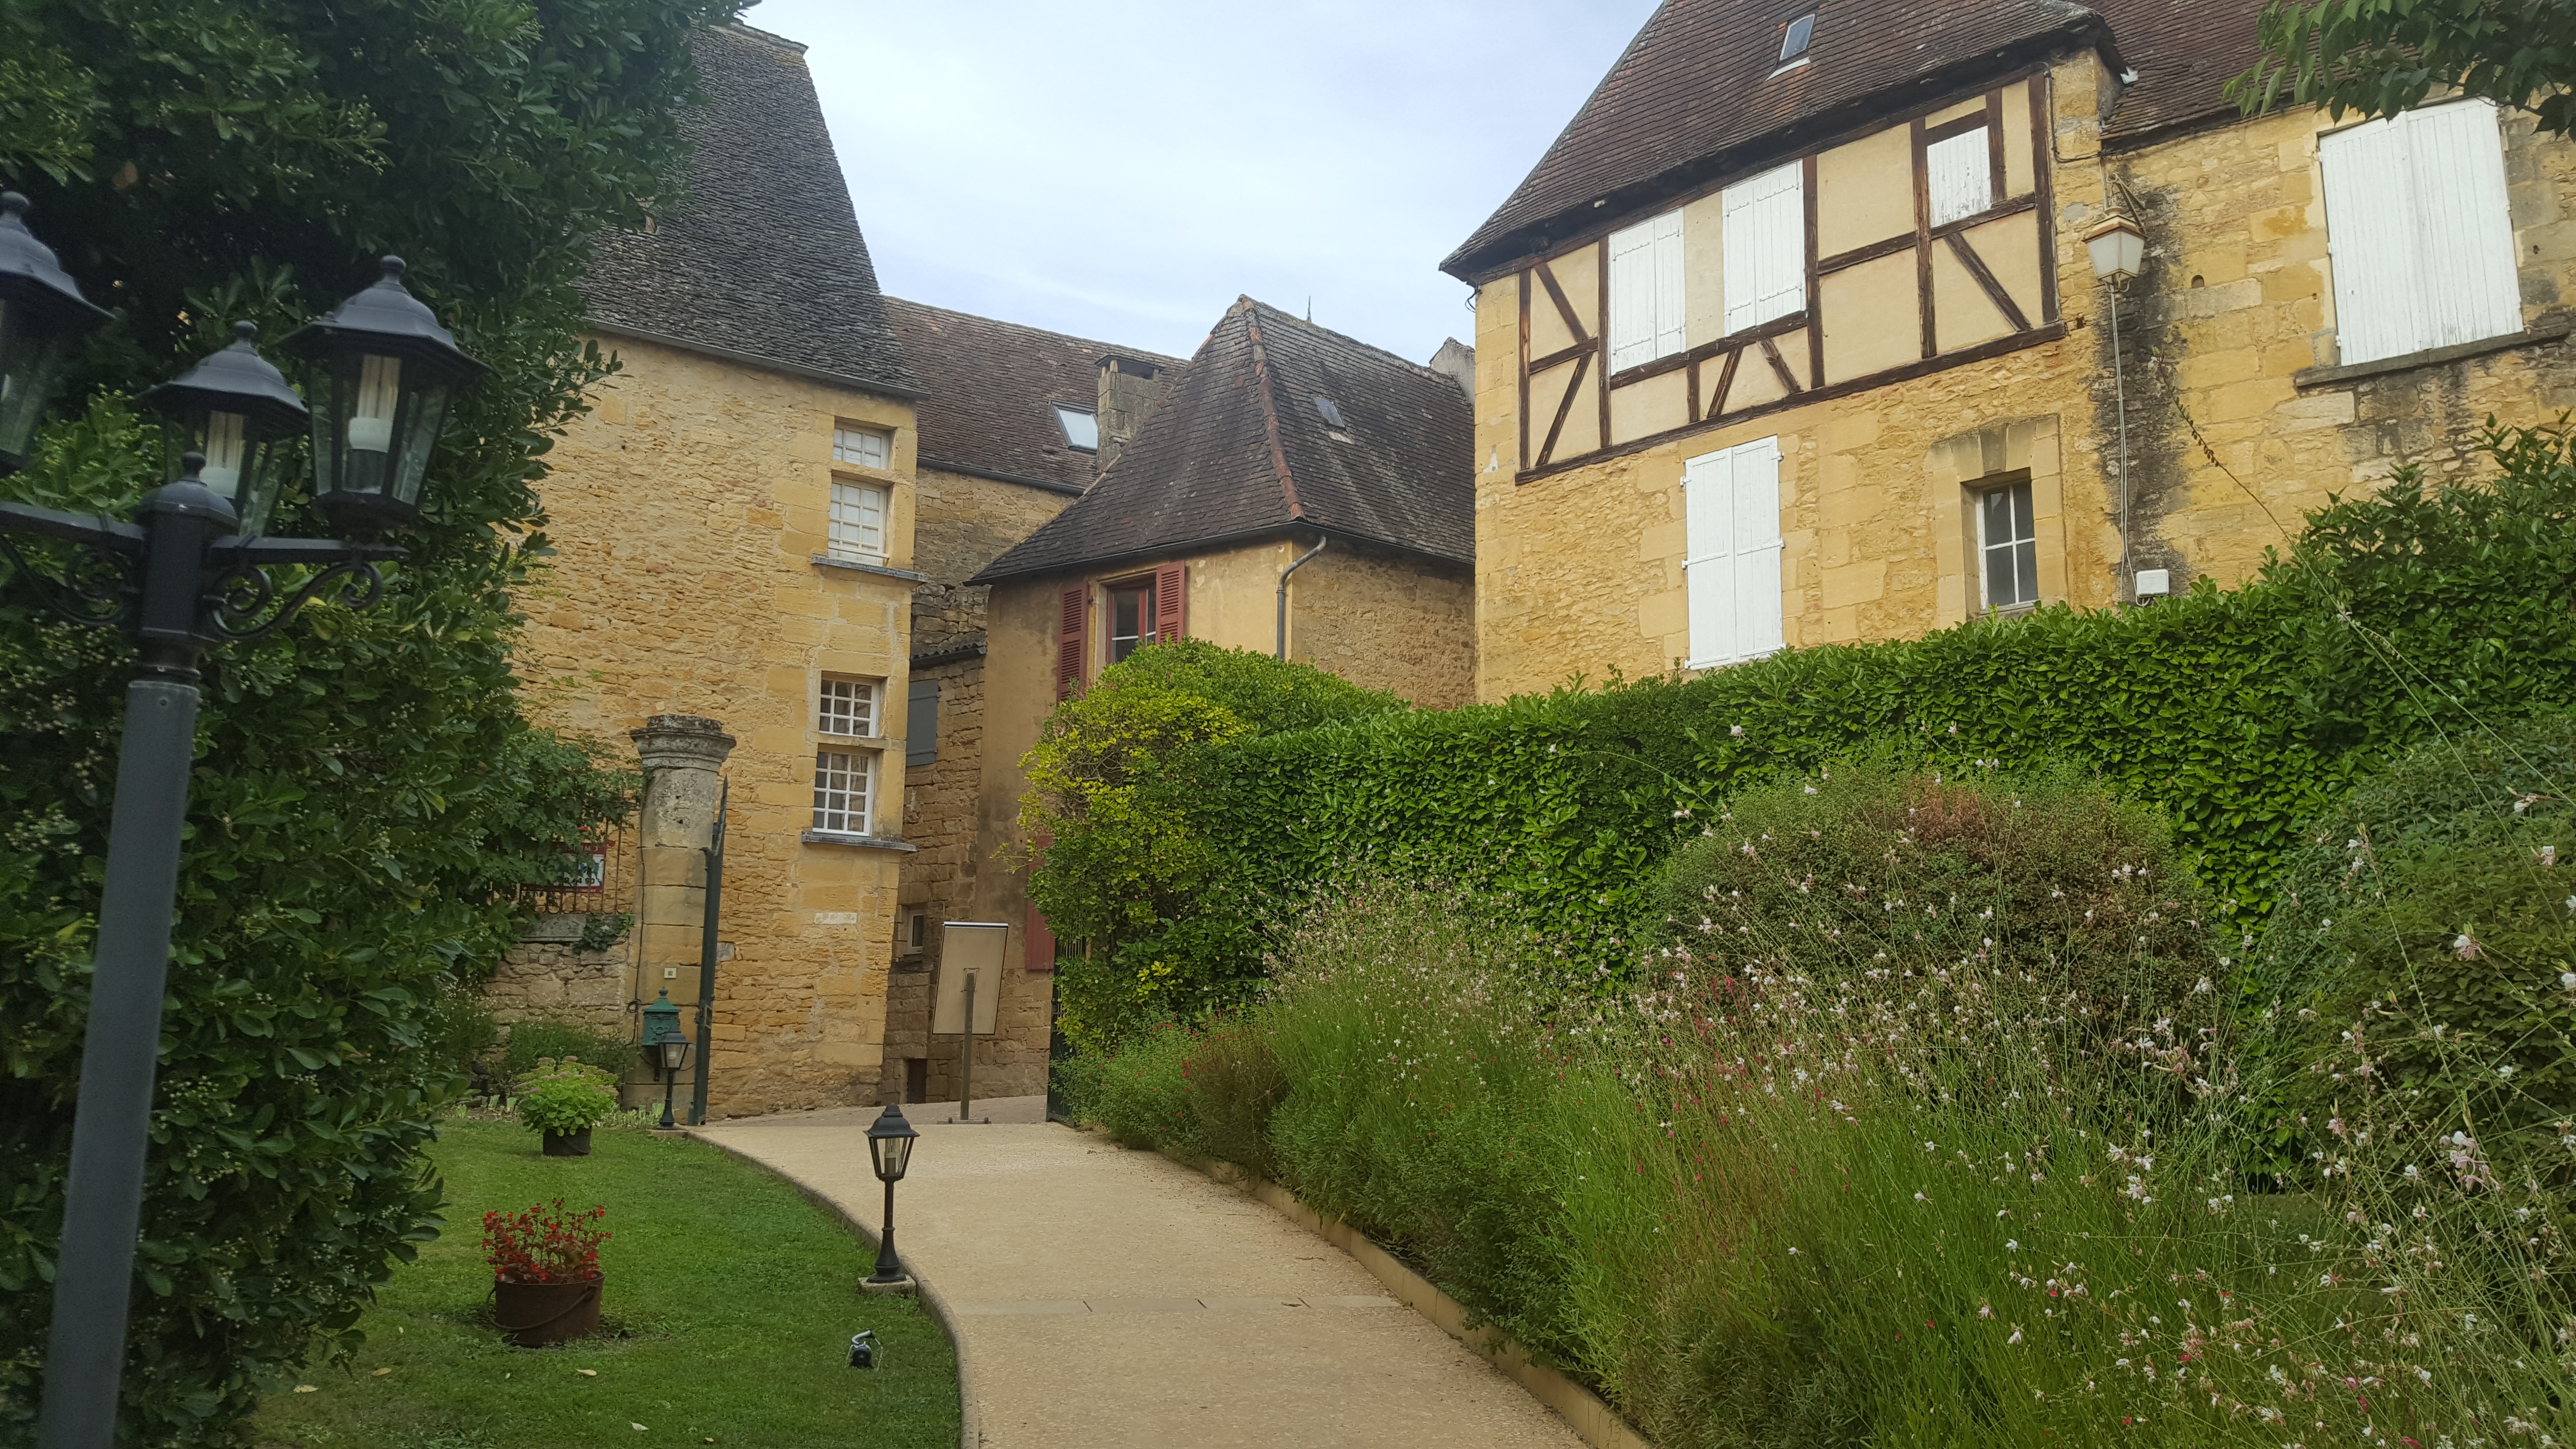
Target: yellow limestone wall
x=1579, y=571
x=687, y=508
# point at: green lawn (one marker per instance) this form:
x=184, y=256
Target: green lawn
x=727, y=1317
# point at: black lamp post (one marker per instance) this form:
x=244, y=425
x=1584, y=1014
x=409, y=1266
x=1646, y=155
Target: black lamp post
x=666, y=1050
x=890, y=1148
x=189, y=574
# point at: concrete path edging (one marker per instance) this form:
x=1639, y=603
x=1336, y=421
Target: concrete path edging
x=1584, y=1411
x=940, y=1312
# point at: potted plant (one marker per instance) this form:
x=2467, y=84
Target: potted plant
x=564, y=1100
x=545, y=1272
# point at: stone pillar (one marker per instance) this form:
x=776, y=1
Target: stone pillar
x=1129, y=388
x=681, y=755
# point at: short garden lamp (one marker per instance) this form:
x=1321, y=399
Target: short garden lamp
x=236, y=412
x=2118, y=249
x=42, y=313
x=666, y=1050
x=890, y=1141
x=383, y=374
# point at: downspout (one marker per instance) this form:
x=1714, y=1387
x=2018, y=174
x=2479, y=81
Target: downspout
x=1282, y=651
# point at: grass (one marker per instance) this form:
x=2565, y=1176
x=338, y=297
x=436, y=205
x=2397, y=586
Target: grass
x=729, y=1307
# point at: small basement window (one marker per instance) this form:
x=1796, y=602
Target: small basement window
x=1081, y=428
x=1794, y=40
x=1332, y=414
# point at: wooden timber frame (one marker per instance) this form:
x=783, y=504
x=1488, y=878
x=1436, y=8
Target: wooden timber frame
x=1802, y=379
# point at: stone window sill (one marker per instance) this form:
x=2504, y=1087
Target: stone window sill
x=2549, y=331
x=864, y=842
x=825, y=560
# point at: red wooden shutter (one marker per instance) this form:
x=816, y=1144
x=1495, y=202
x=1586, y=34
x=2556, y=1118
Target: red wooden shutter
x=1040, y=943
x=1069, y=641
x=1170, y=583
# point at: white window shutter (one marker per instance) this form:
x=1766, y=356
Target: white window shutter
x=1669, y=320
x=1632, y=296
x=2419, y=233
x=1961, y=173
x=1766, y=247
x=1708, y=556
x=1757, y=548
x=2464, y=225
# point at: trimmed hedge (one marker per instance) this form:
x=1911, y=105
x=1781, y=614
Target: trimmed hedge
x=2237, y=713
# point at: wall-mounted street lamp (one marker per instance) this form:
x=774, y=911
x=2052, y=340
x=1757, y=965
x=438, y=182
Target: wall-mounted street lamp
x=666, y=1049
x=890, y=1140
x=190, y=573
x=2118, y=250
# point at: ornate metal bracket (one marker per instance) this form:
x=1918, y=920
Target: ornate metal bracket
x=97, y=590
x=238, y=599
x=246, y=592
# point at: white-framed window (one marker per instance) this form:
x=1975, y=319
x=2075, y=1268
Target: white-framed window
x=2418, y=232
x=866, y=447
x=844, y=790
x=1766, y=247
x=2007, y=546
x=1081, y=427
x=1795, y=36
x=1962, y=176
x=858, y=528
x=1645, y=291
x=846, y=707
x=1731, y=563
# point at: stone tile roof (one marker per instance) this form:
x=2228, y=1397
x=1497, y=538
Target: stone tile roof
x=762, y=259
x=1698, y=94
x=990, y=386
x=1239, y=448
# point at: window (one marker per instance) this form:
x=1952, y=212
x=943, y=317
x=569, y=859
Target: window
x=1731, y=563
x=1131, y=618
x=867, y=447
x=1646, y=291
x=1332, y=415
x=2418, y=233
x=858, y=522
x=916, y=930
x=2008, y=546
x=1793, y=41
x=1766, y=247
x=847, y=707
x=1962, y=176
x=1081, y=428
x=844, y=782
x=921, y=724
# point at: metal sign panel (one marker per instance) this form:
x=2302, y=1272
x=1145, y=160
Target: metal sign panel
x=968, y=948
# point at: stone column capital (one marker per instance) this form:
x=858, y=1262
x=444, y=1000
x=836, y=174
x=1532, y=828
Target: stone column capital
x=681, y=742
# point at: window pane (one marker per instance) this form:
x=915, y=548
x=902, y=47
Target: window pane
x=858, y=522
x=848, y=707
x=863, y=446
x=2026, y=571
x=1081, y=429
x=843, y=781
x=1130, y=615
x=1996, y=527
x=1801, y=30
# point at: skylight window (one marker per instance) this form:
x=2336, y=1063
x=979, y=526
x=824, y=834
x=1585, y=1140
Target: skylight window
x=1332, y=414
x=1793, y=41
x=1081, y=428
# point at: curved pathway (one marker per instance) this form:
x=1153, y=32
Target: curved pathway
x=1108, y=1297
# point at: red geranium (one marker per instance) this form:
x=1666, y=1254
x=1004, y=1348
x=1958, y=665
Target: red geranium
x=545, y=1245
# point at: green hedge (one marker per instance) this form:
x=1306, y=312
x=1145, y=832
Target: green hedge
x=2238, y=713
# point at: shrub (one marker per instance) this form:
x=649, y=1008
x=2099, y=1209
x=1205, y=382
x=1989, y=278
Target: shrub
x=533, y=1041
x=545, y=1244
x=565, y=1097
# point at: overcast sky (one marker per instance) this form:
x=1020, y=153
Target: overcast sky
x=1122, y=171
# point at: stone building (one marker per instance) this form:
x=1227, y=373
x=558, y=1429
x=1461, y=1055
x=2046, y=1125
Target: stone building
x=1014, y=424
x=1280, y=445
x=734, y=528
x=1792, y=337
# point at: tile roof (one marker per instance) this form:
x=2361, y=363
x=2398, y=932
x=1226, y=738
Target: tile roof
x=762, y=259
x=1698, y=94
x=1238, y=448
x=990, y=385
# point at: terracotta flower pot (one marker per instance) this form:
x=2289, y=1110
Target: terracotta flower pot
x=568, y=1144
x=537, y=1314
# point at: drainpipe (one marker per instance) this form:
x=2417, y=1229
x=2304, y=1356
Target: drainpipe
x=1282, y=651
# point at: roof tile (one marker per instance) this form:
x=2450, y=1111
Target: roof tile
x=990, y=387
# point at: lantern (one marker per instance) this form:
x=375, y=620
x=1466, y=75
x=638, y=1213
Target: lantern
x=890, y=1140
x=2118, y=249
x=383, y=374
x=236, y=411
x=42, y=313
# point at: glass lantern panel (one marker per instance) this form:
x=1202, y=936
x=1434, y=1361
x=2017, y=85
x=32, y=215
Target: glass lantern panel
x=27, y=364
x=226, y=455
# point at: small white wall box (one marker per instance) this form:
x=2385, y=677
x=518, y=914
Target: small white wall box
x=2154, y=583
x=968, y=948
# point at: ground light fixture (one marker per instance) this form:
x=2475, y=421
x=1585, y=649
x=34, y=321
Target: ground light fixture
x=190, y=573
x=890, y=1140
x=666, y=1049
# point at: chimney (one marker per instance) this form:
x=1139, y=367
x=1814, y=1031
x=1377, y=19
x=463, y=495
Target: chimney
x=1129, y=387
x=1456, y=361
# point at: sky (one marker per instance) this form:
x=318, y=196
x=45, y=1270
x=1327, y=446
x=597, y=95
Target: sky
x=1123, y=171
